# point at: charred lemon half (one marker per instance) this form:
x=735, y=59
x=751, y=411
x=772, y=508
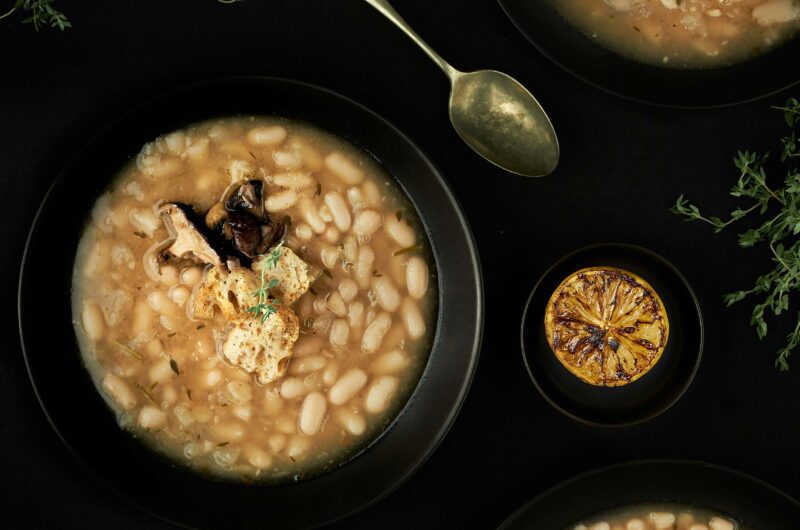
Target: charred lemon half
x=607, y=326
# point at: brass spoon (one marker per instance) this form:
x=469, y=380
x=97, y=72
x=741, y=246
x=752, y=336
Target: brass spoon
x=493, y=113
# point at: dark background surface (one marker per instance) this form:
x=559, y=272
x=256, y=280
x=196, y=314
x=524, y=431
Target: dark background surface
x=622, y=166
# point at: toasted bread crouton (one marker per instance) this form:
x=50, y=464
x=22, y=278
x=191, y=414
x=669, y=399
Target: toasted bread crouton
x=262, y=349
x=233, y=293
x=291, y=273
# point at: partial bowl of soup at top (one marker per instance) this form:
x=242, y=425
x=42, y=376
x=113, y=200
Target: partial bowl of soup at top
x=679, y=53
x=265, y=307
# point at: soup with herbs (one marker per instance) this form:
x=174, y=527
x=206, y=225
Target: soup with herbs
x=659, y=517
x=255, y=298
x=685, y=33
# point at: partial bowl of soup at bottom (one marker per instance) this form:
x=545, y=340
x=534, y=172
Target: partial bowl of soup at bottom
x=694, y=53
x=258, y=295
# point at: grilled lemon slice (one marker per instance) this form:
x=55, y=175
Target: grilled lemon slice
x=607, y=326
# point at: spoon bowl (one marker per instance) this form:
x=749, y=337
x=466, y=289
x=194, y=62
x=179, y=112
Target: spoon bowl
x=498, y=118
x=493, y=113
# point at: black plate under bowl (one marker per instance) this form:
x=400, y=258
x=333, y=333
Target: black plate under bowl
x=587, y=60
x=748, y=500
x=649, y=395
x=87, y=425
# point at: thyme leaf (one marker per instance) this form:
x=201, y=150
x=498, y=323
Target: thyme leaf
x=780, y=231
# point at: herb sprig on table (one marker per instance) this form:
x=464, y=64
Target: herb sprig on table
x=40, y=13
x=780, y=204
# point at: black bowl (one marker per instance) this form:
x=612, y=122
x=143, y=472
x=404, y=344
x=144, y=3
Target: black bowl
x=568, y=47
x=87, y=425
x=746, y=499
x=655, y=391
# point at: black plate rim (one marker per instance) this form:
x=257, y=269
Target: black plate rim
x=543, y=50
x=685, y=463
x=676, y=397
x=472, y=250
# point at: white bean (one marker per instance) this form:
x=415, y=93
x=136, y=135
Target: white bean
x=213, y=378
x=307, y=364
x=342, y=167
x=366, y=223
x=662, y=520
x=332, y=235
x=364, y=264
x=355, y=315
x=635, y=524
x=311, y=216
x=240, y=391
x=354, y=423
x=304, y=232
x=151, y=417
x=373, y=335
x=307, y=345
x=120, y=391
x=292, y=387
x=389, y=363
x=380, y=393
x=417, y=277
x=228, y=431
x=348, y=289
x=336, y=304
x=718, y=523
x=145, y=221
x=399, y=231
x=339, y=210
x=142, y=318
x=330, y=374
x=329, y=256
x=179, y=295
x=312, y=413
x=356, y=199
x=191, y=275
x=257, y=457
x=161, y=372
x=351, y=382
x=386, y=293
x=349, y=249
x=160, y=303
x=325, y=214
x=277, y=442
x=287, y=159
x=293, y=180
x=297, y=446
x=280, y=201
x=266, y=135
x=412, y=319
x=372, y=193
x=92, y=320
x=340, y=332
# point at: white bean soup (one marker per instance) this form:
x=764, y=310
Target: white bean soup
x=685, y=33
x=662, y=516
x=254, y=298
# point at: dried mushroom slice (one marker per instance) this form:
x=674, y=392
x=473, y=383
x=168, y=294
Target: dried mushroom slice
x=607, y=326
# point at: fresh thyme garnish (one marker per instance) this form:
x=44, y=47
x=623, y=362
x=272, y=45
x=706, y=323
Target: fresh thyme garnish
x=189, y=393
x=406, y=250
x=40, y=13
x=266, y=306
x=140, y=235
x=174, y=365
x=145, y=392
x=779, y=232
x=133, y=353
x=318, y=191
x=222, y=444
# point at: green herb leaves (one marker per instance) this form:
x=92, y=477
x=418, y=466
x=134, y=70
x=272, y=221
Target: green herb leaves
x=779, y=232
x=266, y=306
x=40, y=13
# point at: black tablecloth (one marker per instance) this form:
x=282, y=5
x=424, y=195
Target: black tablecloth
x=623, y=164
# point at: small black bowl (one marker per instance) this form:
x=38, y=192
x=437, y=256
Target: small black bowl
x=587, y=60
x=655, y=391
x=747, y=499
x=87, y=425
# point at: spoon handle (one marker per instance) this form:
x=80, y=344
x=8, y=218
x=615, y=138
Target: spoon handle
x=388, y=11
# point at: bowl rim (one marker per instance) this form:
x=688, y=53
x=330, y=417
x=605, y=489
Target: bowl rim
x=645, y=462
x=471, y=249
x=543, y=49
x=676, y=397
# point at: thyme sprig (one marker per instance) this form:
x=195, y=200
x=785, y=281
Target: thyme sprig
x=266, y=306
x=41, y=13
x=780, y=232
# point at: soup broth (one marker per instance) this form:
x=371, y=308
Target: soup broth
x=358, y=295
x=659, y=517
x=685, y=33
